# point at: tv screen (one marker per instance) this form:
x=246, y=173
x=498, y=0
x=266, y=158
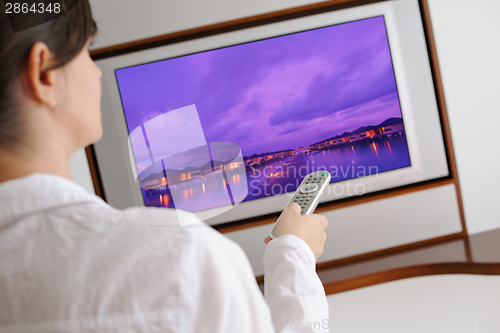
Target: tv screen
x=321, y=99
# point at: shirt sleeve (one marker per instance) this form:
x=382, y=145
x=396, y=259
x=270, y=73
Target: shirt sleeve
x=292, y=287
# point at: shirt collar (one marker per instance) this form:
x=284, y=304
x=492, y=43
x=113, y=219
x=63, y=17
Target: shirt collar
x=38, y=192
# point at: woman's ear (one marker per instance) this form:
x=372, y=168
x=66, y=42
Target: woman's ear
x=42, y=83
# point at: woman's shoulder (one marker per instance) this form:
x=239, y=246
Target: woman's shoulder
x=179, y=227
x=167, y=230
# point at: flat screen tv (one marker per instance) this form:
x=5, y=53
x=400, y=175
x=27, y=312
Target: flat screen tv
x=226, y=126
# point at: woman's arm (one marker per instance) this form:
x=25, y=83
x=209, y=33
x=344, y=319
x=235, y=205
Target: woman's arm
x=292, y=288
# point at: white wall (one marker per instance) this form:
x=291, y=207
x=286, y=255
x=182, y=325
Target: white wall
x=437, y=303
x=123, y=21
x=468, y=43
x=80, y=171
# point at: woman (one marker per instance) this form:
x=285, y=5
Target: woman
x=70, y=262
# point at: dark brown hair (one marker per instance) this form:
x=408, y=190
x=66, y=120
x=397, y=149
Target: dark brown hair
x=65, y=36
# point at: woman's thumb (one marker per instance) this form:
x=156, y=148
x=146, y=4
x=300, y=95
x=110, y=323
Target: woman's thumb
x=293, y=208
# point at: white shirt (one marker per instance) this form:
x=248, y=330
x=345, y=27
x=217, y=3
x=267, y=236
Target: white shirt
x=71, y=262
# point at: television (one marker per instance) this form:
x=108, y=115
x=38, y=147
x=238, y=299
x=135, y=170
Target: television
x=226, y=126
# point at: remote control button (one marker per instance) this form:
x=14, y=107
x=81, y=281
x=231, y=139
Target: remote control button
x=309, y=188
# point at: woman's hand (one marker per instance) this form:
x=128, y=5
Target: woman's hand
x=309, y=228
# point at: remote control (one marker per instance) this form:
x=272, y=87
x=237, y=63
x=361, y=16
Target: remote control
x=308, y=194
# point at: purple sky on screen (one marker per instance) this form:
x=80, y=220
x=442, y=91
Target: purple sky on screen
x=276, y=94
